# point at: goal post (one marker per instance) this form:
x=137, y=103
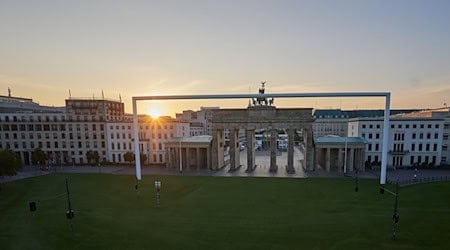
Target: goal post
x=384, y=146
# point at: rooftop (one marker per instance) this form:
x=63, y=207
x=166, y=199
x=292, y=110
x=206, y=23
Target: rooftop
x=331, y=139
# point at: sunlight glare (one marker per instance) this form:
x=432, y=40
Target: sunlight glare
x=154, y=112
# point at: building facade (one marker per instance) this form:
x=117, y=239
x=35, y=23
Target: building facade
x=413, y=141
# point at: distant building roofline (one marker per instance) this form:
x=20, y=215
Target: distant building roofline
x=92, y=99
x=16, y=98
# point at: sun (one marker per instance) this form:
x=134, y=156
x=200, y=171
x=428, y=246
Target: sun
x=154, y=112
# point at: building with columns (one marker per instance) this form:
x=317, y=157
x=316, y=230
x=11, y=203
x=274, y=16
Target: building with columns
x=256, y=118
x=189, y=152
x=340, y=154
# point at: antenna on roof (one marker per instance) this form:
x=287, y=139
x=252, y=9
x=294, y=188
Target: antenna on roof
x=9, y=92
x=120, y=98
x=70, y=94
x=103, y=95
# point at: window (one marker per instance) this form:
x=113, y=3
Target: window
x=413, y=147
x=378, y=125
x=369, y=147
x=399, y=126
x=436, y=126
x=436, y=135
x=429, y=125
x=407, y=126
x=377, y=136
x=377, y=147
x=370, y=136
x=435, y=147
x=421, y=136
x=420, y=146
x=414, y=135
x=363, y=135
x=427, y=147
x=428, y=136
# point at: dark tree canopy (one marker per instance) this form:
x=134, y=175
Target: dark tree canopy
x=10, y=163
x=38, y=156
x=143, y=158
x=128, y=156
x=93, y=157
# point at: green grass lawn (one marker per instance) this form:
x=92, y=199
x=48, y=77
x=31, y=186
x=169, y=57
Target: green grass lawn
x=220, y=213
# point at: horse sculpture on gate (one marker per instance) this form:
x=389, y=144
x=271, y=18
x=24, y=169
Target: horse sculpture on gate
x=262, y=100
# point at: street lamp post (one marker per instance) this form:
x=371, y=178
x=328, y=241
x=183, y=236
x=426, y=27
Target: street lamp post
x=158, y=189
x=181, y=157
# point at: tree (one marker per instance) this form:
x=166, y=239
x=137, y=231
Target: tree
x=128, y=156
x=143, y=158
x=38, y=156
x=92, y=157
x=10, y=163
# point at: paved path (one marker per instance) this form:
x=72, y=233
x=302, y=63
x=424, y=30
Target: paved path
x=404, y=176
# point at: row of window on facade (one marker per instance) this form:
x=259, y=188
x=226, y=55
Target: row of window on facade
x=141, y=135
x=401, y=126
x=49, y=145
x=31, y=118
x=111, y=127
x=399, y=147
x=49, y=127
x=47, y=136
x=401, y=136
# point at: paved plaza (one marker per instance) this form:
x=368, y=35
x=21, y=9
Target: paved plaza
x=262, y=160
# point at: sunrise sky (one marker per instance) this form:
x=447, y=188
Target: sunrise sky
x=210, y=47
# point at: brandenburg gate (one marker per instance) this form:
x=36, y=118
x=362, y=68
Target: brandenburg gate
x=261, y=115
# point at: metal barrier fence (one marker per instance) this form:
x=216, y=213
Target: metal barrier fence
x=413, y=181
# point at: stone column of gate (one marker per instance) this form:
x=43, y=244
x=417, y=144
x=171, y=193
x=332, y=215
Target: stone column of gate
x=340, y=163
x=208, y=158
x=351, y=159
x=234, y=157
x=328, y=159
x=363, y=163
x=309, y=148
x=197, y=157
x=273, y=150
x=290, y=160
x=214, y=150
x=168, y=157
x=250, y=150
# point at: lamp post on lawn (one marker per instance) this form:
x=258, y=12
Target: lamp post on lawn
x=158, y=189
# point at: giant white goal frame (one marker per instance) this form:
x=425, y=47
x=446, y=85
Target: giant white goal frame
x=384, y=146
